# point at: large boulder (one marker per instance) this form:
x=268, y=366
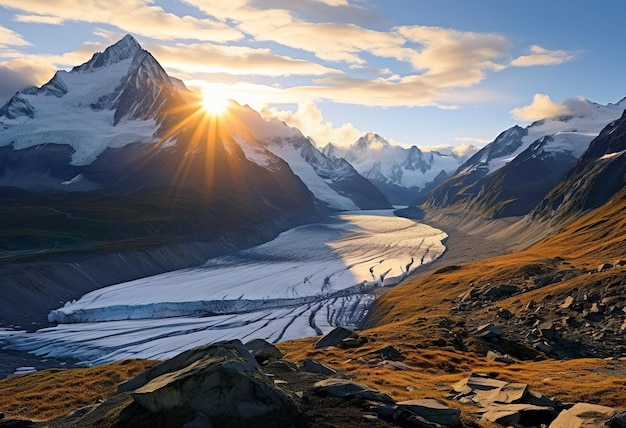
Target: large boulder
x=583, y=415
x=232, y=348
x=335, y=337
x=225, y=384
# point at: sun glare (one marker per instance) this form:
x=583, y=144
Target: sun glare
x=215, y=101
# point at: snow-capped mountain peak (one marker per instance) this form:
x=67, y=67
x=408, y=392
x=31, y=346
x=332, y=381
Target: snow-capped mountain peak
x=114, y=99
x=124, y=49
x=399, y=172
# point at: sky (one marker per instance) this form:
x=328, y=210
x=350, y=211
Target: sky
x=442, y=74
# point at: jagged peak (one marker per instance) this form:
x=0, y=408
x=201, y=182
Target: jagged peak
x=371, y=140
x=125, y=48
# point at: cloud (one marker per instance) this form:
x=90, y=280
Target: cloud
x=39, y=19
x=472, y=140
x=11, y=38
x=16, y=75
x=141, y=17
x=543, y=107
x=236, y=60
x=542, y=56
x=461, y=150
x=310, y=121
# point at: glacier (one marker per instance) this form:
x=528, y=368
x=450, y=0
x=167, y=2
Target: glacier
x=303, y=283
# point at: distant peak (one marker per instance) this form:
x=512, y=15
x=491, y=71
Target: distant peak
x=371, y=140
x=125, y=48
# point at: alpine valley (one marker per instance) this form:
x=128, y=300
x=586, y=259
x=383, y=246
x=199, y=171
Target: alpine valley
x=185, y=263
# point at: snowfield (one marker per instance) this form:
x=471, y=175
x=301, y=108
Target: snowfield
x=303, y=283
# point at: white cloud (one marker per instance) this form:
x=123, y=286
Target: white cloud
x=39, y=19
x=542, y=56
x=310, y=121
x=141, y=17
x=11, y=38
x=543, y=107
x=461, y=150
x=236, y=60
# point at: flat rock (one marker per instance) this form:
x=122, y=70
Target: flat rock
x=489, y=332
x=312, y=366
x=334, y=337
x=584, y=415
x=477, y=381
x=433, y=411
x=499, y=358
x=519, y=415
x=262, y=350
x=346, y=389
x=509, y=393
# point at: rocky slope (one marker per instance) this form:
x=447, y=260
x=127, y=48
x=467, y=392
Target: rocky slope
x=511, y=175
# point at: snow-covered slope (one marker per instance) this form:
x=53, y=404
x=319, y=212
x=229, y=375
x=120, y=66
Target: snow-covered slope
x=509, y=176
x=400, y=173
x=112, y=100
x=331, y=180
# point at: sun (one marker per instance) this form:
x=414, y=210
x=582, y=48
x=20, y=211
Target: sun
x=215, y=100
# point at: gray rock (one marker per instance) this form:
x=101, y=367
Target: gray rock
x=433, y=411
x=619, y=420
x=390, y=353
x=509, y=393
x=548, y=331
x=262, y=350
x=352, y=342
x=584, y=415
x=519, y=415
x=489, y=332
x=334, y=337
x=312, y=366
x=232, y=348
x=348, y=389
x=604, y=266
x=499, y=291
x=499, y=358
x=224, y=384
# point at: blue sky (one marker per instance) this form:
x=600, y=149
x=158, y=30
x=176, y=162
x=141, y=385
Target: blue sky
x=432, y=73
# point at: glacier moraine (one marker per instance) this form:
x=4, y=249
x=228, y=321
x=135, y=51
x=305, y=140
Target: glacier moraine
x=303, y=283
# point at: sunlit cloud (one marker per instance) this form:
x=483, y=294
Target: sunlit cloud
x=310, y=121
x=542, y=56
x=18, y=74
x=39, y=19
x=463, y=150
x=11, y=38
x=472, y=140
x=236, y=60
x=141, y=17
x=543, y=107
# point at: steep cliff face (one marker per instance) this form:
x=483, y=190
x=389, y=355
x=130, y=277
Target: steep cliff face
x=598, y=175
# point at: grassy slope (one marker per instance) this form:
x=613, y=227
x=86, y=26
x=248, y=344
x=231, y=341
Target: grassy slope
x=408, y=317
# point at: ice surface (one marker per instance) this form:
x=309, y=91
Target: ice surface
x=305, y=282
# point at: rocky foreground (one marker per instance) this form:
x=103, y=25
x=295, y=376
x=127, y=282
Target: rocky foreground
x=229, y=384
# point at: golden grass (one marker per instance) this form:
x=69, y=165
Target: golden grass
x=52, y=393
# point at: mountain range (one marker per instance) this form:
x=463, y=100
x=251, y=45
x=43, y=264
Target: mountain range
x=512, y=175
x=400, y=173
